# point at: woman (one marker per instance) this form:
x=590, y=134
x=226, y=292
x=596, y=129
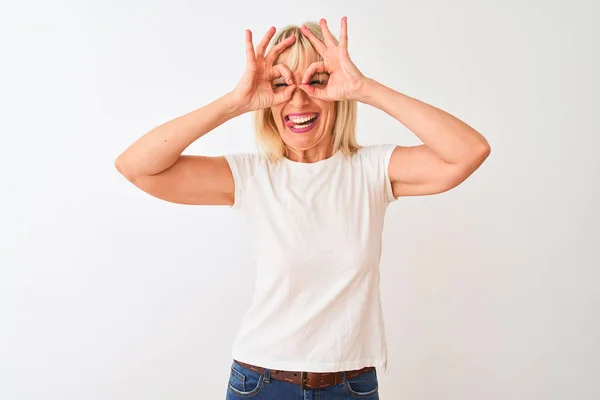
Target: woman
x=315, y=201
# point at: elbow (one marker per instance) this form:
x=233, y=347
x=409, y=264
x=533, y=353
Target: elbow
x=485, y=151
x=480, y=155
x=121, y=166
x=475, y=158
x=482, y=150
x=486, y=148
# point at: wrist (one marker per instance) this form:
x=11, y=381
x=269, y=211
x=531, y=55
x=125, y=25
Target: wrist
x=365, y=93
x=234, y=107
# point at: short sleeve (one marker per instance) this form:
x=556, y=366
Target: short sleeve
x=386, y=156
x=378, y=157
x=243, y=168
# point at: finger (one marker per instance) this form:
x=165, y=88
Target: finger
x=278, y=49
x=317, y=66
x=316, y=42
x=250, y=57
x=327, y=36
x=262, y=46
x=285, y=95
x=314, y=92
x=282, y=70
x=344, y=33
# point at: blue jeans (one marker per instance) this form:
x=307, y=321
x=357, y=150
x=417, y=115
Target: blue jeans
x=247, y=384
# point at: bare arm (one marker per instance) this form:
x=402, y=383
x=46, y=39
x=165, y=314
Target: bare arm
x=155, y=163
x=160, y=148
x=451, y=149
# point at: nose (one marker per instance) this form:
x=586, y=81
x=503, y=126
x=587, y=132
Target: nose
x=299, y=98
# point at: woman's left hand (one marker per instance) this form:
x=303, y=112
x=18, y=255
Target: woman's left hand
x=345, y=80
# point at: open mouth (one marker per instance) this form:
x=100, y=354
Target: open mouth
x=301, y=125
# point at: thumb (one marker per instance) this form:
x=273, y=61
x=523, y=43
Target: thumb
x=285, y=95
x=313, y=91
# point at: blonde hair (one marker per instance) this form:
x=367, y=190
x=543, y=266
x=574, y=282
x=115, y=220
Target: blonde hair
x=344, y=128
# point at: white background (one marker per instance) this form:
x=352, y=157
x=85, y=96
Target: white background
x=490, y=291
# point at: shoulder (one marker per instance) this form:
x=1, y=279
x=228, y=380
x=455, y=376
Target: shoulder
x=376, y=161
x=244, y=166
x=377, y=153
x=245, y=162
x=248, y=157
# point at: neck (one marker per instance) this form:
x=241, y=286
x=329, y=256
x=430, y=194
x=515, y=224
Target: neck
x=311, y=155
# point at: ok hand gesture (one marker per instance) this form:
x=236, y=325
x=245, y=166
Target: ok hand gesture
x=345, y=80
x=254, y=90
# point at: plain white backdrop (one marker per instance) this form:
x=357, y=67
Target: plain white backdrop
x=490, y=291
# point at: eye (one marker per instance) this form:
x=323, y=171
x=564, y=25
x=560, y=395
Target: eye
x=279, y=84
x=319, y=79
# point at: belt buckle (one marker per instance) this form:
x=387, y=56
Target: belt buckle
x=302, y=379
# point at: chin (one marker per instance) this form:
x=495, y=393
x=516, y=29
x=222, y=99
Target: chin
x=302, y=142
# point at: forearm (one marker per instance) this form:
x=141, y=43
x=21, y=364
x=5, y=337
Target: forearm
x=161, y=147
x=449, y=138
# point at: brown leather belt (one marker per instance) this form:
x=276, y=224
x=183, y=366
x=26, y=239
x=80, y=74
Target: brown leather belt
x=311, y=380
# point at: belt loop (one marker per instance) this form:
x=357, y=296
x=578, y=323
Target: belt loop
x=302, y=379
x=267, y=375
x=343, y=376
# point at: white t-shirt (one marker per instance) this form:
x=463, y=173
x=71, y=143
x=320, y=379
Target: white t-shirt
x=317, y=229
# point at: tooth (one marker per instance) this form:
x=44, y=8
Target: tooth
x=302, y=119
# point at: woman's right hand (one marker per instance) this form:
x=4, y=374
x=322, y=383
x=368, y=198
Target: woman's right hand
x=255, y=91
